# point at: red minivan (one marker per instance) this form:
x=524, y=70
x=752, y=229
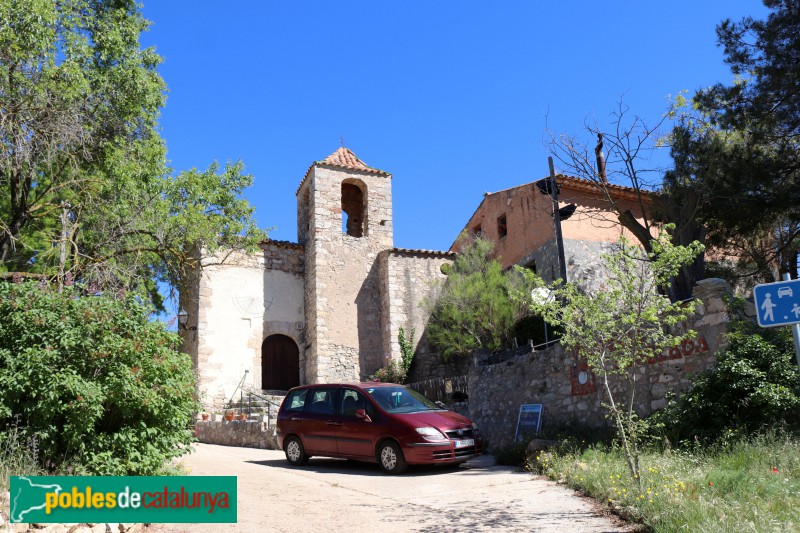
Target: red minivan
x=383, y=423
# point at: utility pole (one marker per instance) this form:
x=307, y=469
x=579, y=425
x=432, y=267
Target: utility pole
x=562, y=263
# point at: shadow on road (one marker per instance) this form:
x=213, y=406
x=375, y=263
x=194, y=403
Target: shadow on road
x=359, y=468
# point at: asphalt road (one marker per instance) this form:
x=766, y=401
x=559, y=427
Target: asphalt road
x=331, y=495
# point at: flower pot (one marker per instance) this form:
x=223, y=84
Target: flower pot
x=205, y=416
x=242, y=416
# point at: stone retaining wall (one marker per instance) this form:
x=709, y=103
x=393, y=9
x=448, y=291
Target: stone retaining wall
x=569, y=392
x=247, y=433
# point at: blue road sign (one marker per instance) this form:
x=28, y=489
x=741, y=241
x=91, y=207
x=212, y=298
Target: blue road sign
x=777, y=304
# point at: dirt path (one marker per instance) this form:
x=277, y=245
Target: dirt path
x=331, y=495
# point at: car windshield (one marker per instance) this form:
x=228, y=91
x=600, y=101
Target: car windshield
x=401, y=400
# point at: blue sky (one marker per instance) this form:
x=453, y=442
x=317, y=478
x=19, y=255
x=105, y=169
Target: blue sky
x=450, y=97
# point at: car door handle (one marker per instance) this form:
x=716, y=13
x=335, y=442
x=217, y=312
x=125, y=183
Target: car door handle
x=296, y=419
x=334, y=423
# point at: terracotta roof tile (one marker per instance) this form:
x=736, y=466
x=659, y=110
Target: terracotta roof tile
x=345, y=159
x=620, y=191
x=422, y=253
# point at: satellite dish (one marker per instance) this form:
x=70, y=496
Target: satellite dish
x=542, y=295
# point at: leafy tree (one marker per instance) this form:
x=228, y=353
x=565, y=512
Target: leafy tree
x=740, y=144
x=474, y=308
x=617, y=329
x=79, y=98
x=621, y=157
x=84, y=186
x=93, y=380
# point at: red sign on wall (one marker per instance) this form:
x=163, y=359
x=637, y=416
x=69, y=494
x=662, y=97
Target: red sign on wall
x=582, y=379
x=686, y=347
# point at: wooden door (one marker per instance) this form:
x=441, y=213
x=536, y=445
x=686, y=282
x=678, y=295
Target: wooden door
x=280, y=363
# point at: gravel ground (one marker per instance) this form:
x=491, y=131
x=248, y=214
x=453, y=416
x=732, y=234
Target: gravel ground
x=330, y=495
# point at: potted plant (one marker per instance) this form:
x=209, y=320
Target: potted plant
x=229, y=414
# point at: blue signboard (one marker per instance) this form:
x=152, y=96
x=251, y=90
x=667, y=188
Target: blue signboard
x=777, y=304
x=530, y=420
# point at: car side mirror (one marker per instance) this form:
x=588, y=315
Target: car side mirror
x=362, y=414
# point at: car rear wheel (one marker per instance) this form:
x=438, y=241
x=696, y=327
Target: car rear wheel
x=390, y=458
x=295, y=453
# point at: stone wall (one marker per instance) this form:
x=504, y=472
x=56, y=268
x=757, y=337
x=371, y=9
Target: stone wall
x=343, y=303
x=408, y=278
x=284, y=256
x=234, y=304
x=567, y=389
x=247, y=433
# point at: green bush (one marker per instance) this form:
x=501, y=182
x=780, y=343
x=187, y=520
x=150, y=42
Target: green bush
x=92, y=380
x=754, y=385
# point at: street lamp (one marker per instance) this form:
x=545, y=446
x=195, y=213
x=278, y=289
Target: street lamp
x=183, y=317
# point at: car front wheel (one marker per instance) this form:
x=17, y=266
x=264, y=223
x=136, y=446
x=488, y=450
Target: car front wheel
x=390, y=458
x=295, y=453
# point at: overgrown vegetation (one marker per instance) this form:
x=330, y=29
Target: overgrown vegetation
x=743, y=484
x=713, y=458
x=619, y=328
x=474, y=308
x=755, y=385
x=394, y=371
x=17, y=457
x=90, y=381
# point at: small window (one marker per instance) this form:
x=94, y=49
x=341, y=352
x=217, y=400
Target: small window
x=322, y=401
x=477, y=230
x=296, y=400
x=502, y=226
x=352, y=401
x=353, y=210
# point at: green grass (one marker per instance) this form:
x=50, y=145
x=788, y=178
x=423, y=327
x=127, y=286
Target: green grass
x=751, y=484
x=17, y=457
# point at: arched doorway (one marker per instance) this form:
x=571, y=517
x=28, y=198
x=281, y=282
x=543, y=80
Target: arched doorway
x=280, y=363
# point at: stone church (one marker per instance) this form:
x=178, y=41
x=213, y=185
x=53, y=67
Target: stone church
x=327, y=308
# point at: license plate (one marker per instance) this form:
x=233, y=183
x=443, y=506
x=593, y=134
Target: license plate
x=464, y=443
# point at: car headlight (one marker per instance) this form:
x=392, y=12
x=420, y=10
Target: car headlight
x=431, y=434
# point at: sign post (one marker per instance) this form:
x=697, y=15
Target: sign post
x=778, y=304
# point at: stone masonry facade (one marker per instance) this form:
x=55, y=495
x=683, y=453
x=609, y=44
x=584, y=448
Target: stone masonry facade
x=337, y=297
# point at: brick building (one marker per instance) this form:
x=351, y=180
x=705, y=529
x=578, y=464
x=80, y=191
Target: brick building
x=520, y=222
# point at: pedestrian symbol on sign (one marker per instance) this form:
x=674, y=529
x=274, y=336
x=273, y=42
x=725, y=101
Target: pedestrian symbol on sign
x=768, y=306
